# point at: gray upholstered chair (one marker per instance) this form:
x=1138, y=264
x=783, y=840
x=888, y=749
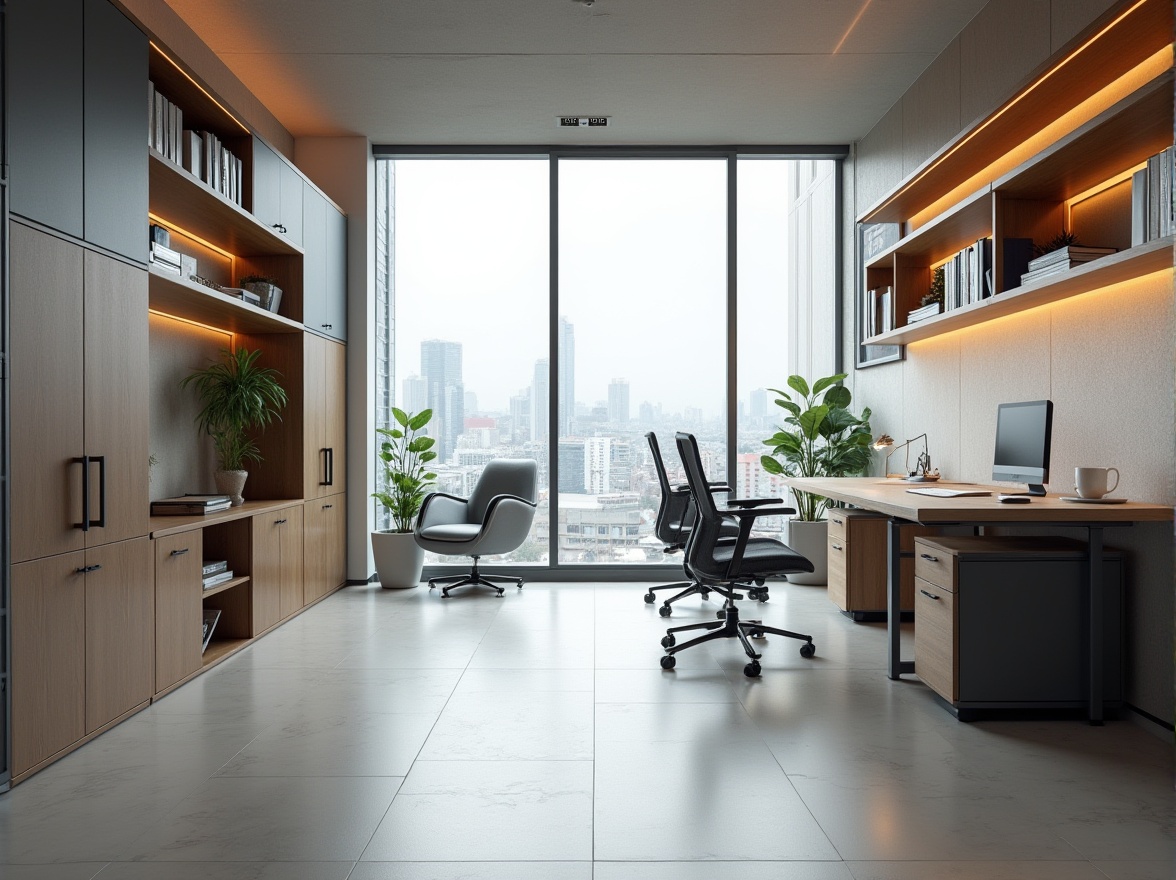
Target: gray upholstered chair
x=496, y=518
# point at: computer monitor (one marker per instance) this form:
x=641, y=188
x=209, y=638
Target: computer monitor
x=1023, y=433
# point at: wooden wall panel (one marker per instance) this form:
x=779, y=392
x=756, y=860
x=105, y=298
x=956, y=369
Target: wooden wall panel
x=931, y=109
x=996, y=56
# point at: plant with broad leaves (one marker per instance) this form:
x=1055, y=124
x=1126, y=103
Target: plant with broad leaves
x=818, y=439
x=405, y=477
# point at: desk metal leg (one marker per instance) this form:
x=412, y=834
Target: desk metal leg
x=895, y=666
x=1095, y=544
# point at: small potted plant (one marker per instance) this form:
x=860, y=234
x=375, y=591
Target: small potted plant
x=266, y=288
x=236, y=395
x=405, y=480
x=822, y=439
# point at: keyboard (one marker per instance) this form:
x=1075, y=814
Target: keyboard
x=948, y=493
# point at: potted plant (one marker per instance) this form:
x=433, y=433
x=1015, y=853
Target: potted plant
x=820, y=438
x=236, y=396
x=266, y=288
x=405, y=480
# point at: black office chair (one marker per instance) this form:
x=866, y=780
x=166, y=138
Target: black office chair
x=675, y=519
x=719, y=562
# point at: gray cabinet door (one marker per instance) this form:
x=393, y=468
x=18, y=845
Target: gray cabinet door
x=267, y=185
x=45, y=53
x=115, y=158
x=314, y=261
x=335, y=286
x=291, y=202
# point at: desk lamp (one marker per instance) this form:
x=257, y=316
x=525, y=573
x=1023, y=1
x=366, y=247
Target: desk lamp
x=922, y=465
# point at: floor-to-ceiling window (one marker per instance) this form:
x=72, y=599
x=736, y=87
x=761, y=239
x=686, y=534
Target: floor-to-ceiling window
x=659, y=263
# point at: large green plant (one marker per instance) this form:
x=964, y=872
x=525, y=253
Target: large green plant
x=236, y=395
x=405, y=477
x=824, y=438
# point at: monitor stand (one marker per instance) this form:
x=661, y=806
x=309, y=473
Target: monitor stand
x=1036, y=489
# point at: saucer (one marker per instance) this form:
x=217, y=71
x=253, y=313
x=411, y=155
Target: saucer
x=1103, y=500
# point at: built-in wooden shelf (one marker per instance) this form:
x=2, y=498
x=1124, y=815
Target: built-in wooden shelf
x=203, y=110
x=1154, y=256
x=180, y=298
x=1111, y=49
x=227, y=585
x=221, y=649
x=951, y=231
x=160, y=526
x=181, y=199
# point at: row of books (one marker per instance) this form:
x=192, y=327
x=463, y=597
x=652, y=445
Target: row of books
x=967, y=276
x=922, y=313
x=190, y=505
x=1153, y=198
x=1063, y=260
x=199, y=152
x=214, y=573
x=878, y=311
x=210, y=618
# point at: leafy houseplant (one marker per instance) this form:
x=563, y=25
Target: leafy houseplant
x=405, y=480
x=236, y=396
x=824, y=439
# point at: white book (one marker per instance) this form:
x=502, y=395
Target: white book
x=150, y=113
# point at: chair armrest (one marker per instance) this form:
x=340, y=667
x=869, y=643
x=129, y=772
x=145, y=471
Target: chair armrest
x=742, y=513
x=753, y=502
x=711, y=487
x=441, y=508
x=506, y=525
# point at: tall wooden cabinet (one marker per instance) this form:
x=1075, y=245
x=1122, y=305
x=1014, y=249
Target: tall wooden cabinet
x=324, y=423
x=277, y=566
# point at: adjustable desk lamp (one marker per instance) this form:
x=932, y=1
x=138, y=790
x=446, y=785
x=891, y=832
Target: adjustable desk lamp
x=922, y=463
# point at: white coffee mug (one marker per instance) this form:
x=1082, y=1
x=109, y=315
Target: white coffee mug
x=1091, y=482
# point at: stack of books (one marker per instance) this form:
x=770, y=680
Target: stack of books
x=215, y=572
x=189, y=505
x=210, y=617
x=166, y=259
x=165, y=125
x=923, y=312
x=878, y=311
x=244, y=295
x=967, y=276
x=1062, y=260
x=1153, y=198
x=199, y=152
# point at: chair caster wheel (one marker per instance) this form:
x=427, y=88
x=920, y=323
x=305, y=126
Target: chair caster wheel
x=650, y=598
x=520, y=585
x=720, y=614
x=752, y=669
x=665, y=611
x=756, y=633
x=669, y=641
x=706, y=594
x=807, y=650
x=669, y=661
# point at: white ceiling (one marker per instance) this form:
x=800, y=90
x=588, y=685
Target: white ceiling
x=489, y=72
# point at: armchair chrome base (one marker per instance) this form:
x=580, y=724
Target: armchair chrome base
x=731, y=627
x=688, y=588
x=474, y=579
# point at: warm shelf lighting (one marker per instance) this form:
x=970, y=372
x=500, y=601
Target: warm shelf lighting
x=1122, y=177
x=179, y=230
x=203, y=90
x=220, y=330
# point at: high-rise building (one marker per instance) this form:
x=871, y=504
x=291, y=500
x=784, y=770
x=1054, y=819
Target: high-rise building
x=567, y=376
x=571, y=466
x=645, y=414
x=471, y=402
x=445, y=392
x=540, y=402
x=520, y=417
x=618, y=401
x=414, y=394
x=759, y=403
x=597, y=465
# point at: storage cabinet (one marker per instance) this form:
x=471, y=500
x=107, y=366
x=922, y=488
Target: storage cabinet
x=79, y=372
x=178, y=563
x=1002, y=622
x=858, y=567
x=277, y=193
x=77, y=118
x=82, y=645
x=324, y=418
x=277, y=566
x=325, y=295
x=326, y=546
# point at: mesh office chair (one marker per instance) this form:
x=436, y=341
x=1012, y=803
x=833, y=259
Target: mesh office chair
x=675, y=519
x=720, y=562
x=496, y=518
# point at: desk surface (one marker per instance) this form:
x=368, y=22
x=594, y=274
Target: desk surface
x=892, y=498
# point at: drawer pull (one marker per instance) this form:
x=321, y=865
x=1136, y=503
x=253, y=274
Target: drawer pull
x=928, y=595
x=836, y=547
x=87, y=569
x=278, y=522
x=928, y=557
x=328, y=506
x=179, y=552
x=839, y=522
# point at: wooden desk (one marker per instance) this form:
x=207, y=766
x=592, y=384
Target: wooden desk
x=890, y=497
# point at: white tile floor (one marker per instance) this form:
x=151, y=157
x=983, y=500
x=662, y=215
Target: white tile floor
x=396, y=735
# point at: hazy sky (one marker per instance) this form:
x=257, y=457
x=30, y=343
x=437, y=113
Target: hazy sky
x=642, y=273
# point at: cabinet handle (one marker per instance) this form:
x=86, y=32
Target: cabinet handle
x=328, y=506
x=327, y=326
x=179, y=552
x=839, y=522
x=928, y=557
x=928, y=595
x=278, y=522
x=84, y=525
x=101, y=521
x=87, y=569
x=328, y=454
x=836, y=547
x=280, y=227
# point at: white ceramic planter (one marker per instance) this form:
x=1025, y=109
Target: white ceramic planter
x=399, y=560
x=810, y=540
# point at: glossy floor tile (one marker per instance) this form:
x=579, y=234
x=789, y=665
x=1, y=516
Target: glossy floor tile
x=393, y=734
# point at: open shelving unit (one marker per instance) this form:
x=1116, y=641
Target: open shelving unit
x=1058, y=155
x=189, y=301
